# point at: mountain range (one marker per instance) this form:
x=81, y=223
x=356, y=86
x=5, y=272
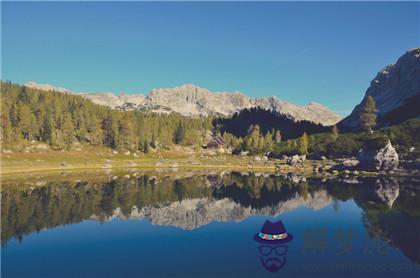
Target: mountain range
x=192, y=100
x=191, y=214
x=395, y=89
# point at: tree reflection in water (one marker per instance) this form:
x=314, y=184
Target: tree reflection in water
x=391, y=207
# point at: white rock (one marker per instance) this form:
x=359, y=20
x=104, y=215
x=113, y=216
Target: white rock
x=384, y=159
x=296, y=159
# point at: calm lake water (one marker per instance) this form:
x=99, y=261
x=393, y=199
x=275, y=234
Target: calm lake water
x=203, y=225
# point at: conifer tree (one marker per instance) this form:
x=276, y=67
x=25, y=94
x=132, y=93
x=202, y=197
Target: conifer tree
x=277, y=138
x=367, y=116
x=145, y=146
x=268, y=138
x=261, y=144
x=303, y=144
x=6, y=134
x=179, y=134
x=67, y=131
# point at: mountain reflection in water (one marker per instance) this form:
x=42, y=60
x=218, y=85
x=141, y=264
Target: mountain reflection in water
x=391, y=207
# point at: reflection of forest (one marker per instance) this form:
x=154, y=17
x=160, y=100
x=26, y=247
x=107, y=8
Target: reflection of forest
x=391, y=210
x=391, y=207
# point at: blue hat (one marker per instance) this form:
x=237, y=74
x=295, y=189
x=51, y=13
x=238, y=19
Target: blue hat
x=273, y=233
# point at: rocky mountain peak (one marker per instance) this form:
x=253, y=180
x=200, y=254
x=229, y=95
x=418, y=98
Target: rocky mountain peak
x=315, y=105
x=45, y=87
x=392, y=87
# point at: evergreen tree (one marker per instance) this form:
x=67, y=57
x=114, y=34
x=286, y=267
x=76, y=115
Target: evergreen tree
x=145, y=146
x=334, y=132
x=111, y=130
x=268, y=138
x=261, y=144
x=254, y=137
x=126, y=138
x=246, y=144
x=367, y=116
x=49, y=129
x=277, y=138
x=67, y=130
x=25, y=121
x=303, y=144
x=7, y=133
x=179, y=134
x=236, y=142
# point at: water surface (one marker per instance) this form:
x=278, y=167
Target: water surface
x=202, y=225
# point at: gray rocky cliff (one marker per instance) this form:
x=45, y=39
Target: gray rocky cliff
x=392, y=87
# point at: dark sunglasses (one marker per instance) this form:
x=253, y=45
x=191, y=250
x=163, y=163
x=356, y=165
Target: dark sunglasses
x=266, y=250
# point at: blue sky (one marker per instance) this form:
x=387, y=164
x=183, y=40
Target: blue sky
x=301, y=52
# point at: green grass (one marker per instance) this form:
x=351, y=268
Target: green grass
x=90, y=158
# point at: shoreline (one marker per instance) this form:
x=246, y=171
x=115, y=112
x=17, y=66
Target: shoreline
x=5, y=172
x=103, y=159
x=277, y=167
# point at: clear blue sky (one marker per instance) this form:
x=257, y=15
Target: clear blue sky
x=301, y=52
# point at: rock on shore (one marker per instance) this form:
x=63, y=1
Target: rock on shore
x=384, y=159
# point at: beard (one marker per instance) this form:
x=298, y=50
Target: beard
x=273, y=264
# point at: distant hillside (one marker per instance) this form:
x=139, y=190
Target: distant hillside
x=192, y=100
x=267, y=120
x=396, y=91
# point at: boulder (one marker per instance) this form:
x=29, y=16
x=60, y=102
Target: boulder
x=350, y=162
x=383, y=159
x=296, y=159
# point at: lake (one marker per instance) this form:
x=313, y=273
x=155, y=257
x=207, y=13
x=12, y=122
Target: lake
x=197, y=224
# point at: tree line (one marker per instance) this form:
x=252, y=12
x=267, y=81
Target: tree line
x=62, y=119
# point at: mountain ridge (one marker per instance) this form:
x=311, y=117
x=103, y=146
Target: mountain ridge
x=192, y=100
